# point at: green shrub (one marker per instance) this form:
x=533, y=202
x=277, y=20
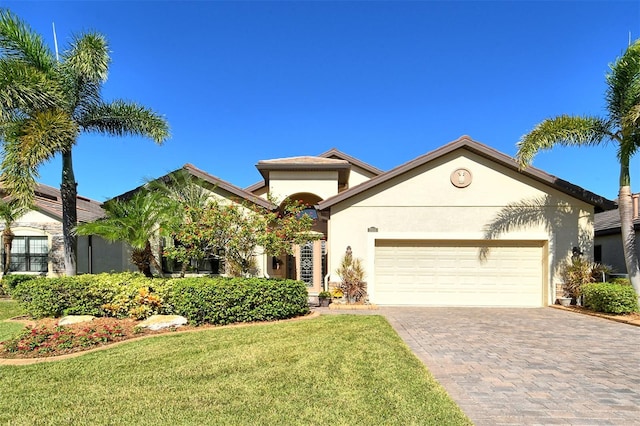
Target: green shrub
x=201, y=300
x=621, y=281
x=121, y=295
x=610, y=298
x=9, y=282
x=231, y=300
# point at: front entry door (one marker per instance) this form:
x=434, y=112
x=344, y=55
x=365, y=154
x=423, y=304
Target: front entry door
x=309, y=264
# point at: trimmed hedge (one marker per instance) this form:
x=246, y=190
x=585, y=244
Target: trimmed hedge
x=610, y=298
x=230, y=300
x=201, y=300
x=9, y=282
x=80, y=295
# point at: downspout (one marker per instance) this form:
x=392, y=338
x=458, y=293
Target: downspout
x=90, y=254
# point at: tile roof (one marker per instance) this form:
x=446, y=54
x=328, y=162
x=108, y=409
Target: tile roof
x=305, y=160
x=214, y=181
x=608, y=222
x=48, y=200
x=333, y=153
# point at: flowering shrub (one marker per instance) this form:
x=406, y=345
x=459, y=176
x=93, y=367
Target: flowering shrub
x=138, y=304
x=239, y=229
x=44, y=340
x=116, y=295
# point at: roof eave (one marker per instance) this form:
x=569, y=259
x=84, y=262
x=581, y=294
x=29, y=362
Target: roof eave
x=465, y=142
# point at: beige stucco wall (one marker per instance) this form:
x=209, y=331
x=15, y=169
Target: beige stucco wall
x=423, y=204
x=324, y=184
x=358, y=175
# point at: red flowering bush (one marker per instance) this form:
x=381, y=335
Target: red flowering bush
x=55, y=339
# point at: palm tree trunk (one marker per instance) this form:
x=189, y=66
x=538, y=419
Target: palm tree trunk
x=625, y=207
x=144, y=259
x=7, y=237
x=68, y=192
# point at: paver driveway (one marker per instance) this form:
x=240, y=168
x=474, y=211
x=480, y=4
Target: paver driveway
x=528, y=366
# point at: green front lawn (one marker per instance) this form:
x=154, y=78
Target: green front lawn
x=9, y=309
x=340, y=369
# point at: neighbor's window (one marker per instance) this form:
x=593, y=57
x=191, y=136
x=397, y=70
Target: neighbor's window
x=597, y=254
x=30, y=254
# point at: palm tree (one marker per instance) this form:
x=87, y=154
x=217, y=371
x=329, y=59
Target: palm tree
x=186, y=198
x=10, y=210
x=45, y=105
x=621, y=126
x=135, y=221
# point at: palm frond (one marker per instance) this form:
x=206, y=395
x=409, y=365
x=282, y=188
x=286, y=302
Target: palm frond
x=88, y=58
x=182, y=187
x=563, y=130
x=623, y=85
x=18, y=41
x=133, y=221
x=629, y=146
x=11, y=210
x=24, y=88
x=632, y=119
x=17, y=178
x=121, y=118
x=44, y=134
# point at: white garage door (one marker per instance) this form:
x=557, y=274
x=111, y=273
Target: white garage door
x=458, y=273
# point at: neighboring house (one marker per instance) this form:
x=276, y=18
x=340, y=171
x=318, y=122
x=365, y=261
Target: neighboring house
x=458, y=226
x=38, y=248
x=608, y=238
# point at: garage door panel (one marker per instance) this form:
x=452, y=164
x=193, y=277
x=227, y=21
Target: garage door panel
x=453, y=273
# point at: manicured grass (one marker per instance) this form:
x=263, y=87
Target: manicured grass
x=341, y=369
x=9, y=309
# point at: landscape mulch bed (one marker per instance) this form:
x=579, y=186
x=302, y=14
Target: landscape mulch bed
x=129, y=327
x=632, y=318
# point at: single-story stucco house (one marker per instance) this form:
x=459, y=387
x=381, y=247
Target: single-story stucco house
x=459, y=226
x=38, y=249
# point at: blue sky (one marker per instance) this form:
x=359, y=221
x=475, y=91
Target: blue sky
x=384, y=82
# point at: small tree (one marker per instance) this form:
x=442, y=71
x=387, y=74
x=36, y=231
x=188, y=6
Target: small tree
x=239, y=230
x=135, y=221
x=186, y=198
x=351, y=273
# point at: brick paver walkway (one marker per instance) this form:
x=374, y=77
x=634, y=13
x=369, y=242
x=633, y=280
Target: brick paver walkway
x=527, y=366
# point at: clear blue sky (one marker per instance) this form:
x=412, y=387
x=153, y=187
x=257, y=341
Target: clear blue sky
x=384, y=82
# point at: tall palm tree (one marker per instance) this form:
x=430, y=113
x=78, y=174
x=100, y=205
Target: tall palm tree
x=10, y=211
x=135, y=221
x=45, y=105
x=621, y=125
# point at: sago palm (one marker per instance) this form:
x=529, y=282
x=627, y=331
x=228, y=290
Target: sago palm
x=136, y=222
x=45, y=105
x=621, y=126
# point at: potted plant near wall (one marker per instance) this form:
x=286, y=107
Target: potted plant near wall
x=325, y=298
x=575, y=273
x=351, y=273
